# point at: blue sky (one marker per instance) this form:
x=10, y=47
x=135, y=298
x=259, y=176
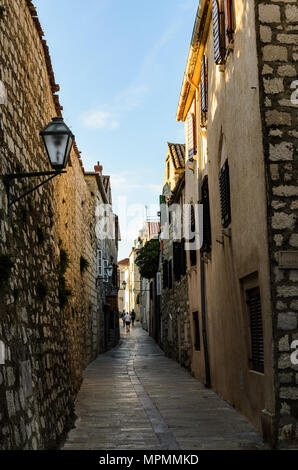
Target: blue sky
x=120, y=66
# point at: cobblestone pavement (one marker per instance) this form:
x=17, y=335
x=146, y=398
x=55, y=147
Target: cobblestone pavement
x=133, y=397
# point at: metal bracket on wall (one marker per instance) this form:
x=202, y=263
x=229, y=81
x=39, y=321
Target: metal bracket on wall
x=227, y=233
x=220, y=241
x=10, y=177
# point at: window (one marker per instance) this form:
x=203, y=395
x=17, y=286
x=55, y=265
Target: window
x=225, y=198
x=193, y=253
x=253, y=300
x=204, y=88
x=191, y=136
x=218, y=32
x=179, y=259
x=196, y=330
x=206, y=217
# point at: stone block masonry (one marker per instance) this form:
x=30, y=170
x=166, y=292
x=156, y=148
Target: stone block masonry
x=47, y=336
x=277, y=28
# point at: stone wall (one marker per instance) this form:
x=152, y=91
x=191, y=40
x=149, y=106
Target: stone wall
x=277, y=30
x=47, y=344
x=176, y=324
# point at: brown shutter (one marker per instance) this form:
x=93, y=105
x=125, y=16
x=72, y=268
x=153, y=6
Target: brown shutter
x=218, y=33
x=204, y=86
x=225, y=198
x=253, y=300
x=206, y=216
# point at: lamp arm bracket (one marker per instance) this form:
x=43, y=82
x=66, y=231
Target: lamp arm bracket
x=10, y=177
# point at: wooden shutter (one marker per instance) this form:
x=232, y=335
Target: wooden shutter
x=206, y=216
x=191, y=135
x=229, y=20
x=196, y=329
x=253, y=300
x=218, y=33
x=225, y=198
x=204, y=86
x=179, y=259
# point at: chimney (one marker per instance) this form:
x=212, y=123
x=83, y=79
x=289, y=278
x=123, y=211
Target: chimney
x=98, y=168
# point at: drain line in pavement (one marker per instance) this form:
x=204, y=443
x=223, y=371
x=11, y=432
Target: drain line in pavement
x=166, y=439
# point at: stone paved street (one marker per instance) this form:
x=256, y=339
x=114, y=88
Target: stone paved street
x=133, y=397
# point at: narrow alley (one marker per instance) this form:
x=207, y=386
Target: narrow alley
x=134, y=398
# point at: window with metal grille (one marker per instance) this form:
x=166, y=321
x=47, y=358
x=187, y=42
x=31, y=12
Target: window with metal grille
x=253, y=300
x=196, y=331
x=206, y=217
x=193, y=252
x=218, y=32
x=225, y=198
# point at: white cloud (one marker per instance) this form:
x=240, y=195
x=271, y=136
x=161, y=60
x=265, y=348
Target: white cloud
x=100, y=120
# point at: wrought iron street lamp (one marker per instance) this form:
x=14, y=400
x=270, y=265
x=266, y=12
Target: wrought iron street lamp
x=58, y=140
x=110, y=270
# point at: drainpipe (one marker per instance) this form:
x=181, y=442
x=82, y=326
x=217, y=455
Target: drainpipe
x=204, y=325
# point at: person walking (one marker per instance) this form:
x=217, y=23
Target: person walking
x=123, y=318
x=127, y=322
x=133, y=317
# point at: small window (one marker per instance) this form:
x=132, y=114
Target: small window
x=225, y=197
x=196, y=330
x=206, y=247
x=253, y=300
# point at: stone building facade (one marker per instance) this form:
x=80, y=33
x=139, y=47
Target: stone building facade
x=48, y=251
x=238, y=102
x=277, y=49
x=175, y=297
